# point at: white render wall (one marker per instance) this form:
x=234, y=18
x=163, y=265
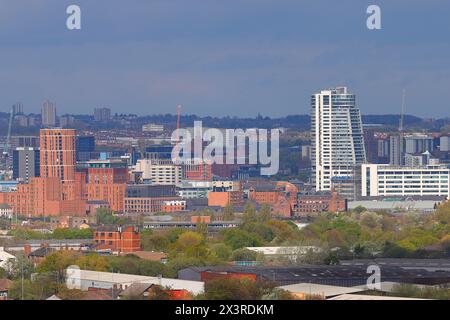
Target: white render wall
x=386, y=180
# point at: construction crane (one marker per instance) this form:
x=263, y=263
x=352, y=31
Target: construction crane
x=8, y=136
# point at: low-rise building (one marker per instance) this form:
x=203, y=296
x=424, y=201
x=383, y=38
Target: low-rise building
x=6, y=211
x=319, y=202
x=159, y=171
x=388, y=181
x=106, y=281
x=173, y=206
x=121, y=239
x=152, y=127
x=5, y=285
x=5, y=258
x=225, y=198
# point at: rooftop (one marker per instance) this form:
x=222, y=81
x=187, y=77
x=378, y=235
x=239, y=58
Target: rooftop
x=320, y=289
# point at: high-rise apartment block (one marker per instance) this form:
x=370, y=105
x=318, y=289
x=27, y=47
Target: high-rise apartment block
x=48, y=114
x=17, y=108
x=336, y=136
x=26, y=163
x=58, y=153
x=418, y=143
x=445, y=143
x=102, y=114
x=396, y=150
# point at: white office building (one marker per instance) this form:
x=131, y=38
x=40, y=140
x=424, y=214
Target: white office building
x=336, y=137
x=159, y=171
x=394, y=181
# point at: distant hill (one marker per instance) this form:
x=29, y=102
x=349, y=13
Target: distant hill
x=301, y=122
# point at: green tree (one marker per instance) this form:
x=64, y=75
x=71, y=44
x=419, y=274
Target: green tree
x=57, y=262
x=154, y=242
x=131, y=264
x=236, y=239
x=221, y=251
x=244, y=255
x=250, y=214
x=92, y=262
x=236, y=289
x=40, y=288
x=264, y=213
x=228, y=213
x=21, y=266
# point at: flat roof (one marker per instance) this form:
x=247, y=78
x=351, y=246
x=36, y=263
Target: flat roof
x=320, y=289
x=367, y=297
x=196, y=287
x=283, y=250
x=388, y=286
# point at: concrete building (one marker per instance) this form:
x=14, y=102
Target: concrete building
x=152, y=127
x=24, y=142
x=418, y=143
x=336, y=136
x=144, y=199
x=6, y=211
x=48, y=114
x=102, y=114
x=420, y=159
x=17, y=108
x=445, y=143
x=396, y=150
x=194, y=189
x=159, y=171
x=389, y=181
x=26, y=163
x=66, y=121
x=383, y=150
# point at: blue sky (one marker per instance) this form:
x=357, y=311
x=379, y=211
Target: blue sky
x=224, y=57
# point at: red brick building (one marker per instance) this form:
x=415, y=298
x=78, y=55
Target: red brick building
x=57, y=153
x=320, y=202
x=121, y=239
x=173, y=206
x=198, y=172
x=224, y=198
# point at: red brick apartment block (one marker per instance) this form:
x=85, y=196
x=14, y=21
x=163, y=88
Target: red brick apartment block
x=121, y=239
x=58, y=153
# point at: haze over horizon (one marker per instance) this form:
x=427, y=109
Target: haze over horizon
x=219, y=58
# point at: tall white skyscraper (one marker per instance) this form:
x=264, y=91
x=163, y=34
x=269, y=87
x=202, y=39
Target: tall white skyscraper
x=48, y=114
x=336, y=137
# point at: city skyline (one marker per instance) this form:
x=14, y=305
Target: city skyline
x=236, y=59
